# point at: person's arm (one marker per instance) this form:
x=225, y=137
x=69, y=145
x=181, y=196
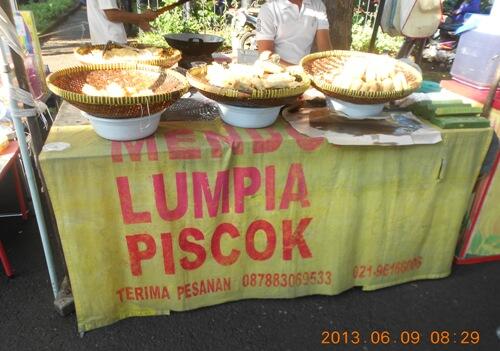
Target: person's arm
x=322, y=39
x=268, y=45
x=140, y=19
x=265, y=45
x=473, y=6
x=266, y=30
x=323, y=42
x=460, y=9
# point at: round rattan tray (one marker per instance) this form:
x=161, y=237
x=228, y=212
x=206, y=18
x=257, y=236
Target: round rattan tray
x=169, y=56
x=258, y=98
x=169, y=86
x=314, y=63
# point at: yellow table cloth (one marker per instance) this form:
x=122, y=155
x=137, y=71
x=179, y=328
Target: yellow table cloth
x=202, y=213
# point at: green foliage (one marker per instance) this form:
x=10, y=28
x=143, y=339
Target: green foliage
x=362, y=28
x=48, y=11
x=361, y=17
x=202, y=19
x=385, y=44
x=152, y=38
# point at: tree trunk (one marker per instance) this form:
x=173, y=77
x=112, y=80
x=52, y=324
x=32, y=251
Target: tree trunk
x=340, y=17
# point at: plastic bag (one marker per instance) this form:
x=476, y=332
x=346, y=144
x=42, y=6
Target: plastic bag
x=420, y=18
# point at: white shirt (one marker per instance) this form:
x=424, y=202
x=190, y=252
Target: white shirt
x=101, y=29
x=292, y=29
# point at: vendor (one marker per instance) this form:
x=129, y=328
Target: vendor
x=106, y=21
x=290, y=27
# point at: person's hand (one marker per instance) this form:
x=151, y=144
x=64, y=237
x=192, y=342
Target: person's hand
x=149, y=15
x=145, y=26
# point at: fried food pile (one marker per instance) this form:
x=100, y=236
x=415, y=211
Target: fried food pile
x=116, y=83
x=379, y=74
x=117, y=55
x=265, y=73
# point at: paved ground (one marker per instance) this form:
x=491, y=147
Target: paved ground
x=57, y=49
x=468, y=300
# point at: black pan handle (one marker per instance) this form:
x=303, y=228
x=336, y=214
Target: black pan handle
x=199, y=40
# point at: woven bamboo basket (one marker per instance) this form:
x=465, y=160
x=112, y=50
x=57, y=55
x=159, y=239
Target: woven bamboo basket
x=168, y=58
x=258, y=98
x=315, y=63
x=67, y=83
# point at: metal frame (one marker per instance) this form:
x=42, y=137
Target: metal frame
x=6, y=76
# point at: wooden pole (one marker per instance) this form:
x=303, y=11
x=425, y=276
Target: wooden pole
x=378, y=19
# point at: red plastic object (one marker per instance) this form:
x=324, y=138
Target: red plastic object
x=8, y=158
x=475, y=260
x=447, y=45
x=5, y=262
x=11, y=153
x=20, y=193
x=478, y=95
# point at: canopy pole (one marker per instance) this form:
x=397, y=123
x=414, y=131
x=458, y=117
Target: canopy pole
x=30, y=175
x=378, y=19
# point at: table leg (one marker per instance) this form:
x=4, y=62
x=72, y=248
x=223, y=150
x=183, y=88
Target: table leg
x=20, y=193
x=5, y=262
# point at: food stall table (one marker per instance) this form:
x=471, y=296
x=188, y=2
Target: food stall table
x=203, y=213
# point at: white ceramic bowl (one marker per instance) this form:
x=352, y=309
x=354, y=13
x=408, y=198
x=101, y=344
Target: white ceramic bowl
x=124, y=129
x=355, y=111
x=249, y=117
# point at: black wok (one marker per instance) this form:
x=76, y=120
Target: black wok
x=191, y=44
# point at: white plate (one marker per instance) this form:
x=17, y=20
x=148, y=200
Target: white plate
x=124, y=129
x=355, y=111
x=249, y=117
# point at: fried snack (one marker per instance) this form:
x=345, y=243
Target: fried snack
x=378, y=74
x=119, y=84
x=116, y=55
x=265, y=73
x=270, y=67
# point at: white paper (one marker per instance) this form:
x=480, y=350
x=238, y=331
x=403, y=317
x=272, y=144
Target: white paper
x=424, y=135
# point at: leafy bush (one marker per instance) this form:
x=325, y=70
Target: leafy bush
x=47, y=11
x=362, y=29
x=362, y=16
x=361, y=36
x=202, y=19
